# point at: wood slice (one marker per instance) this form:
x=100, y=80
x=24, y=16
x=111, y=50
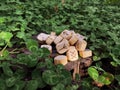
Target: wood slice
x=60, y=59
x=50, y=39
x=58, y=39
x=42, y=37
x=53, y=33
x=73, y=39
x=62, y=47
x=72, y=54
x=66, y=34
x=81, y=45
x=86, y=53
x=80, y=37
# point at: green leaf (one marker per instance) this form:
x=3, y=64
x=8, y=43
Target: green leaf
x=24, y=25
x=95, y=88
x=41, y=65
x=117, y=77
x=32, y=85
x=66, y=77
x=10, y=81
x=2, y=85
x=113, y=36
x=115, y=59
x=18, y=86
x=92, y=37
x=44, y=52
x=2, y=42
x=86, y=83
x=21, y=35
x=32, y=45
x=50, y=77
x=20, y=74
x=59, y=87
x=22, y=59
x=59, y=67
x=36, y=75
x=41, y=83
x=32, y=61
x=21, y=84
x=114, y=64
x=18, y=12
x=101, y=79
x=5, y=54
x=6, y=36
x=49, y=64
x=73, y=87
x=105, y=78
x=6, y=69
x=109, y=78
x=96, y=58
x=93, y=73
x=59, y=29
x=2, y=20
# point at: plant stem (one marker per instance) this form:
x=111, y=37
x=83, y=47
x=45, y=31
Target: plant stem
x=1, y=52
x=14, y=51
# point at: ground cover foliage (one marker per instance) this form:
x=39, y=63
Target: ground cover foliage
x=22, y=20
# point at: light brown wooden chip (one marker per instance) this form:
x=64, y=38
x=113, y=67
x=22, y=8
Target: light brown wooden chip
x=73, y=39
x=80, y=37
x=72, y=54
x=53, y=33
x=50, y=39
x=85, y=54
x=63, y=46
x=81, y=45
x=58, y=39
x=42, y=37
x=66, y=34
x=60, y=59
